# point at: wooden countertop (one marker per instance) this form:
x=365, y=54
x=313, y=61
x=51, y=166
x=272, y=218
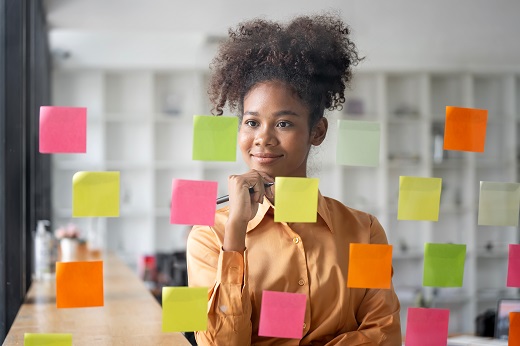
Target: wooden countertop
x=131, y=315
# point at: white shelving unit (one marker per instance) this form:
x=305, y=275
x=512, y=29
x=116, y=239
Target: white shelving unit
x=140, y=123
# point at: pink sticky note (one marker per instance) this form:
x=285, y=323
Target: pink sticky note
x=193, y=202
x=513, y=267
x=63, y=129
x=427, y=327
x=282, y=314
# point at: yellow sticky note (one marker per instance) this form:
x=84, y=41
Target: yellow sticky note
x=419, y=198
x=370, y=266
x=95, y=194
x=41, y=339
x=184, y=309
x=296, y=199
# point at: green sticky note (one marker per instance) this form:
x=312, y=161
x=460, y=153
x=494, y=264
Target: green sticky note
x=358, y=143
x=40, y=339
x=296, y=199
x=215, y=138
x=419, y=198
x=443, y=264
x=499, y=204
x=95, y=194
x=185, y=309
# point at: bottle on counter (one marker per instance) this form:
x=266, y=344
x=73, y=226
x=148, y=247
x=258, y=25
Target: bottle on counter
x=45, y=251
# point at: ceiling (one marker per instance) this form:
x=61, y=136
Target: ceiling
x=479, y=31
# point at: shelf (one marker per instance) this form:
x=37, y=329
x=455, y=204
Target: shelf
x=127, y=165
x=412, y=255
x=127, y=118
x=141, y=123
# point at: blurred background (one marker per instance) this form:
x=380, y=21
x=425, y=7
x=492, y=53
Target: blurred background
x=141, y=69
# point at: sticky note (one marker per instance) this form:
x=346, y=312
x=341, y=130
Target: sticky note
x=79, y=284
x=427, y=327
x=95, y=194
x=358, y=143
x=444, y=264
x=51, y=339
x=513, y=266
x=193, y=202
x=215, y=138
x=184, y=309
x=63, y=129
x=296, y=199
x=419, y=198
x=282, y=314
x=498, y=204
x=465, y=129
x=370, y=266
x=514, y=329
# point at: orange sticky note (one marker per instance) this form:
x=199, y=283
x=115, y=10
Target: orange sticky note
x=370, y=266
x=79, y=284
x=514, y=329
x=465, y=129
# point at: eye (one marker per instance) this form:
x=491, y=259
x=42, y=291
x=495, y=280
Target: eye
x=251, y=123
x=284, y=124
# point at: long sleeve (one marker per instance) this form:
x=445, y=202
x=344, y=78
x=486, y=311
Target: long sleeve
x=225, y=275
x=378, y=310
x=379, y=320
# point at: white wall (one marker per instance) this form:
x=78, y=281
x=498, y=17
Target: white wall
x=391, y=33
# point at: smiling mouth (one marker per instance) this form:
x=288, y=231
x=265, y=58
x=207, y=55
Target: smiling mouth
x=266, y=158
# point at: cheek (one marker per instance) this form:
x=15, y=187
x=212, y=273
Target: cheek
x=244, y=140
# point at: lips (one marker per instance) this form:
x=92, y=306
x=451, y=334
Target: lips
x=266, y=158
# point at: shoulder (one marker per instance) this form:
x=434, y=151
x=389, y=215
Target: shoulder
x=340, y=211
x=356, y=225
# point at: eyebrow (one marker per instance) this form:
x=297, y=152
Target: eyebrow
x=277, y=114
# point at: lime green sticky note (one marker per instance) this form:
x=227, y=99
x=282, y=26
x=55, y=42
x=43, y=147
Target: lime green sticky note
x=185, y=309
x=41, y=339
x=444, y=264
x=296, y=199
x=358, y=143
x=95, y=194
x=215, y=138
x=419, y=198
x=499, y=204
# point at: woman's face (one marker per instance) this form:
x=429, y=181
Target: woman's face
x=274, y=135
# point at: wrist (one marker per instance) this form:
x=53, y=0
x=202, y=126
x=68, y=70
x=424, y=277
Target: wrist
x=235, y=236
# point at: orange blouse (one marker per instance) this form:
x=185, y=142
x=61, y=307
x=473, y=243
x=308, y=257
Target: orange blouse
x=309, y=258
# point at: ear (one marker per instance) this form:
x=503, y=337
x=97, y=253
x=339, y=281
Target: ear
x=319, y=131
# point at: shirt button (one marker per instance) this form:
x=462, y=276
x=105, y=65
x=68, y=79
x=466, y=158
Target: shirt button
x=301, y=282
x=296, y=240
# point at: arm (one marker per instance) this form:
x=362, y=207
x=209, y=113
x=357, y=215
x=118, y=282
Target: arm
x=219, y=261
x=379, y=320
x=378, y=312
x=224, y=273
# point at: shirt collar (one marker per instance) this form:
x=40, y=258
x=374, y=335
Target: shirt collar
x=263, y=208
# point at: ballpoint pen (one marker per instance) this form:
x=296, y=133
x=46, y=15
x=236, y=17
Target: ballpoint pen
x=225, y=198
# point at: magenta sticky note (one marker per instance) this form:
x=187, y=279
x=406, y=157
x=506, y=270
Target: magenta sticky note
x=193, y=202
x=63, y=129
x=513, y=266
x=282, y=314
x=427, y=327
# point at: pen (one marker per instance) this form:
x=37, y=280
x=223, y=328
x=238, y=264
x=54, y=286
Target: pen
x=225, y=198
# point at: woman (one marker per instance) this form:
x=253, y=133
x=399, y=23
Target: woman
x=281, y=79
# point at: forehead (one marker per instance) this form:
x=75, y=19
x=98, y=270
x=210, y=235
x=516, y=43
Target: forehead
x=273, y=93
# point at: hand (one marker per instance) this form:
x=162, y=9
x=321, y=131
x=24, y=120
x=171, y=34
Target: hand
x=243, y=205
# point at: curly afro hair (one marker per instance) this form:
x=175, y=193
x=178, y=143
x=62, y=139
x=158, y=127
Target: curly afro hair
x=312, y=54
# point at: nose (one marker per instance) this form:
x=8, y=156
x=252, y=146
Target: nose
x=265, y=136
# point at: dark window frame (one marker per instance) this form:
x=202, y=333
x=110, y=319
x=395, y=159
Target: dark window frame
x=24, y=173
